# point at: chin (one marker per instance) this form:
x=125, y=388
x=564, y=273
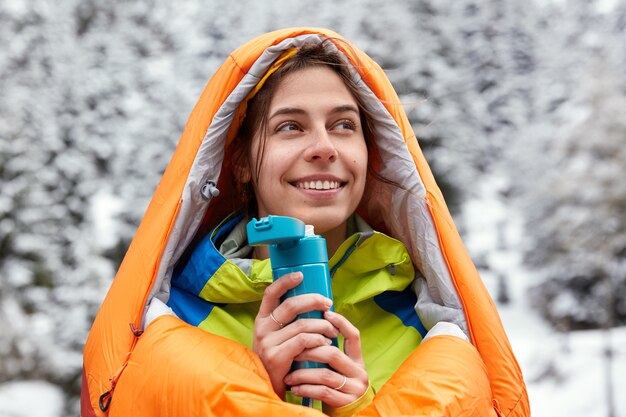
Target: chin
x=323, y=224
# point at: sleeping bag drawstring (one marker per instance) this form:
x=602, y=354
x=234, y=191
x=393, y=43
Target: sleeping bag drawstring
x=209, y=190
x=105, y=399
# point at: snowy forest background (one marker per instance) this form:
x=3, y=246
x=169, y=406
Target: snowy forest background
x=520, y=107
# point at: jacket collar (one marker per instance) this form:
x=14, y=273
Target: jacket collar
x=241, y=279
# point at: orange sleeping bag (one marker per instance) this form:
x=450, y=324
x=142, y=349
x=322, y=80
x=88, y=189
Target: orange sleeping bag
x=171, y=368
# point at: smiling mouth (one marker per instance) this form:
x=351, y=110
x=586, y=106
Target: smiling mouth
x=319, y=185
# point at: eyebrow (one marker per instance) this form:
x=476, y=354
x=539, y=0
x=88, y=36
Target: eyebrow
x=297, y=110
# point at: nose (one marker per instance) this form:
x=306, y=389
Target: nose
x=322, y=148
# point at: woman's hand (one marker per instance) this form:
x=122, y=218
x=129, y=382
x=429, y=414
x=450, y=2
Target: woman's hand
x=278, y=339
x=346, y=381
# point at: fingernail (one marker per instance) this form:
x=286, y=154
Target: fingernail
x=330, y=314
x=328, y=302
x=328, y=341
x=296, y=276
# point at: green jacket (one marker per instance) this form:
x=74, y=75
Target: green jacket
x=219, y=290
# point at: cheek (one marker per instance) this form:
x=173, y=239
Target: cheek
x=359, y=160
x=276, y=161
x=261, y=155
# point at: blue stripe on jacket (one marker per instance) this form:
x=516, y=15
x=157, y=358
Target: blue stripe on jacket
x=402, y=304
x=204, y=261
x=190, y=308
x=189, y=279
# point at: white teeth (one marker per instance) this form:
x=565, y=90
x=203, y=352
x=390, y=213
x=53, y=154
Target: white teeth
x=319, y=185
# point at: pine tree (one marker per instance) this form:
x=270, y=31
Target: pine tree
x=578, y=228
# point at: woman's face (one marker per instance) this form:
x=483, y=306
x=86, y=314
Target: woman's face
x=314, y=163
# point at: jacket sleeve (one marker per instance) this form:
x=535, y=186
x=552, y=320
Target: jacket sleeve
x=444, y=377
x=179, y=370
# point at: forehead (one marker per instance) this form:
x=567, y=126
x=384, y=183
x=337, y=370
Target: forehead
x=312, y=87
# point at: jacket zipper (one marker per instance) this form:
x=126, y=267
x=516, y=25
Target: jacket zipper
x=343, y=259
x=362, y=237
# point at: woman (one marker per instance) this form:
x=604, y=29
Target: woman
x=298, y=122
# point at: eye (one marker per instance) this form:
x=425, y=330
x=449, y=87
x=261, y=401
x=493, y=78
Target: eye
x=288, y=127
x=345, y=124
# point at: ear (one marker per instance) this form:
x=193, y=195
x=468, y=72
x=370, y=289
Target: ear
x=241, y=167
x=243, y=174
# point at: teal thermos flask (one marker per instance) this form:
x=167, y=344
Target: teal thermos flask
x=294, y=247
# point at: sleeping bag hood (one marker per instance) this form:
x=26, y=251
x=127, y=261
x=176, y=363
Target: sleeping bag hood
x=173, y=368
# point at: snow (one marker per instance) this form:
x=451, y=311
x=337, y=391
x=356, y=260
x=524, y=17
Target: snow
x=31, y=399
x=105, y=207
x=606, y=6
x=565, y=373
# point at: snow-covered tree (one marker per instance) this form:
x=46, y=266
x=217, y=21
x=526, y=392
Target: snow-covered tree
x=577, y=221
x=79, y=157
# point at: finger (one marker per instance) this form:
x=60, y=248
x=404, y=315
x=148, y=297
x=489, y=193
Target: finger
x=326, y=394
x=288, y=350
x=322, y=376
x=352, y=335
x=320, y=326
x=289, y=309
x=335, y=358
x=278, y=288
x=329, y=355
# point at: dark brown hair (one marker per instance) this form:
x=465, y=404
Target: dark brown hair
x=307, y=56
